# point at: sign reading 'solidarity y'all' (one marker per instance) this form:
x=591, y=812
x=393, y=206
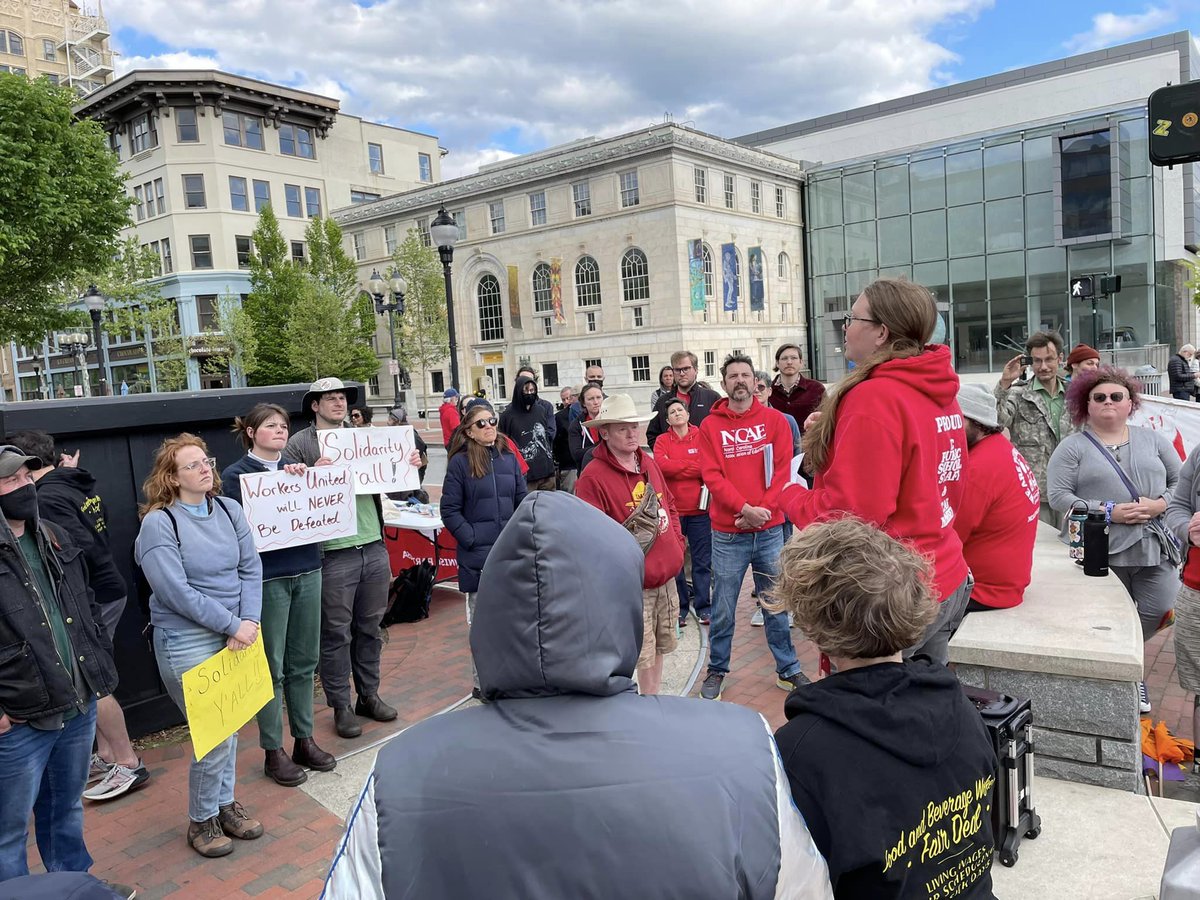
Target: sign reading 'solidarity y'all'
x=377, y=457
x=291, y=510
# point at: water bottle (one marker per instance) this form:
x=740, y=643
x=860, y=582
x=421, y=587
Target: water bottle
x=1079, y=514
x=1095, y=545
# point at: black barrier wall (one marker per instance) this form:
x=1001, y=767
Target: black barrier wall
x=117, y=438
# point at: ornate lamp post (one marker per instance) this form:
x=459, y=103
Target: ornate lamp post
x=95, y=303
x=75, y=342
x=444, y=233
x=398, y=286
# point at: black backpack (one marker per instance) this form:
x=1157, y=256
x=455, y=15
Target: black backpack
x=410, y=593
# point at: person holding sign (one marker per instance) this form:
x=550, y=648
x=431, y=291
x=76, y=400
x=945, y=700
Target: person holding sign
x=291, y=610
x=197, y=553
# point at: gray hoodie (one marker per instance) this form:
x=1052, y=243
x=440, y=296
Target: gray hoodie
x=568, y=783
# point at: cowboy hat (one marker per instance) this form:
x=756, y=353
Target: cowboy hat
x=618, y=409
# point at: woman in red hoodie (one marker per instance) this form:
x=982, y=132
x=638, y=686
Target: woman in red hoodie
x=677, y=452
x=889, y=445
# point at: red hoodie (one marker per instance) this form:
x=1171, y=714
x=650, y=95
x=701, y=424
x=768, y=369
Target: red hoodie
x=733, y=462
x=897, y=461
x=679, y=459
x=616, y=492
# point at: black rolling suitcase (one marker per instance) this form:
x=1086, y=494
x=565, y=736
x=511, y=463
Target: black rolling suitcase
x=1009, y=721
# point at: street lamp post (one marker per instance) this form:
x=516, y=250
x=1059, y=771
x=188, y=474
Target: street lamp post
x=75, y=342
x=444, y=233
x=398, y=286
x=95, y=303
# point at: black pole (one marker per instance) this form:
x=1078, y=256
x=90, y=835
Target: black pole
x=395, y=362
x=101, y=356
x=447, y=254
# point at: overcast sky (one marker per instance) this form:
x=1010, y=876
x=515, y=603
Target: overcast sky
x=492, y=78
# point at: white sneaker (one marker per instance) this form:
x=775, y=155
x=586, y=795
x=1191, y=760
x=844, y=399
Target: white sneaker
x=98, y=769
x=1143, y=698
x=757, y=619
x=119, y=780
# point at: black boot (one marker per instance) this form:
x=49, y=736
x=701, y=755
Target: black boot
x=374, y=708
x=279, y=766
x=307, y=753
x=345, y=722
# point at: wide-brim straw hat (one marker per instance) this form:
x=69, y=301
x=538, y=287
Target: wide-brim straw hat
x=618, y=409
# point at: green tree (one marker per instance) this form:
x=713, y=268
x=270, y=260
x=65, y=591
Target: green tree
x=235, y=344
x=275, y=284
x=328, y=261
x=423, y=336
x=325, y=336
x=63, y=201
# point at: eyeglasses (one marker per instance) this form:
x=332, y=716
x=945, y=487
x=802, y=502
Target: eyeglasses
x=850, y=317
x=210, y=464
x=1115, y=396
x=681, y=369
x=481, y=424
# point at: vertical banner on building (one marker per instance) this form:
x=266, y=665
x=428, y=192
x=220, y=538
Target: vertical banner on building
x=514, y=297
x=696, y=274
x=729, y=277
x=754, y=262
x=556, y=290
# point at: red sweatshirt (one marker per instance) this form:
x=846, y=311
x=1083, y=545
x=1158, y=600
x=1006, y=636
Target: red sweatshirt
x=679, y=459
x=733, y=462
x=448, y=414
x=997, y=521
x=616, y=492
x=896, y=461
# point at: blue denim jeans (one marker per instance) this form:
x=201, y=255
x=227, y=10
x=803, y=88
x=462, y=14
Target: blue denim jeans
x=210, y=780
x=45, y=772
x=698, y=533
x=731, y=554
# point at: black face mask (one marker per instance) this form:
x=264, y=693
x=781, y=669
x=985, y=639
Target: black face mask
x=526, y=400
x=19, y=505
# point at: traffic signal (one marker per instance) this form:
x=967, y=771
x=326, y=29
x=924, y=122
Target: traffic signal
x=1175, y=124
x=1110, y=284
x=1083, y=287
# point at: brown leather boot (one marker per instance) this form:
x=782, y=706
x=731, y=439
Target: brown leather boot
x=307, y=753
x=280, y=767
x=207, y=839
x=235, y=823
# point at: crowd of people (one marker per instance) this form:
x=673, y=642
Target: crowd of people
x=872, y=516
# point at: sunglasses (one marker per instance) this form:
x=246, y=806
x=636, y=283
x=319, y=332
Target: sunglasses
x=1115, y=397
x=481, y=424
x=210, y=464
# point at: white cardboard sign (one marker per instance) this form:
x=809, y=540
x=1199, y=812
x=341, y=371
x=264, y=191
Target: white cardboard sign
x=378, y=457
x=290, y=510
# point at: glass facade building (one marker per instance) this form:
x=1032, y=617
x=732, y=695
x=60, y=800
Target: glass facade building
x=996, y=227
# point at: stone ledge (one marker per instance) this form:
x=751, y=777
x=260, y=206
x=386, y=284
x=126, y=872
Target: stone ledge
x=1102, y=776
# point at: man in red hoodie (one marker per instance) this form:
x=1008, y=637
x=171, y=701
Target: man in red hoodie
x=627, y=485
x=745, y=459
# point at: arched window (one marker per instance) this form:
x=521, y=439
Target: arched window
x=491, y=312
x=785, y=267
x=635, y=276
x=587, y=282
x=11, y=42
x=542, y=302
x=708, y=271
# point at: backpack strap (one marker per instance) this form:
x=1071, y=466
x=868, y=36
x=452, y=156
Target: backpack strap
x=174, y=524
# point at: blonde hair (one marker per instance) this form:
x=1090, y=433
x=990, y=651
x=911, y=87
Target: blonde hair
x=160, y=488
x=856, y=592
x=909, y=312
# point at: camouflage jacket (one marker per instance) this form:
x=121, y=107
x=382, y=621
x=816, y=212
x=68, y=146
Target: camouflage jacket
x=1025, y=412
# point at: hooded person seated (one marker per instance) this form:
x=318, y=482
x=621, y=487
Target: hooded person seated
x=889, y=762
x=568, y=783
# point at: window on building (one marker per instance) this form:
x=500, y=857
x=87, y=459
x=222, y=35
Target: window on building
x=590, y=363
x=641, y=368
x=785, y=267
x=756, y=196
x=312, y=201
x=547, y=326
x=239, y=201
x=50, y=77
x=389, y=239
x=154, y=248
x=581, y=193
x=460, y=219
x=186, y=129
x=291, y=196
x=425, y=166
x=296, y=140
x=245, y=249
x=589, y=320
x=202, y=257
x=437, y=381
x=780, y=203
x=710, y=363
x=491, y=312
x=639, y=317
x=243, y=130
x=206, y=311
x=262, y=195
x=139, y=205
x=114, y=137
x=587, y=282
x=373, y=386
x=168, y=264
x=1087, y=180
x=549, y=374
x=15, y=44
x=193, y=191
x=363, y=196
x=298, y=251
x=537, y=208
x=708, y=270
x=496, y=216
x=143, y=133
x=375, y=158
x=49, y=51
x=423, y=230
x=635, y=276
x=730, y=197
x=629, y=189
x=160, y=196
x=360, y=245
x=700, y=182
x=542, y=301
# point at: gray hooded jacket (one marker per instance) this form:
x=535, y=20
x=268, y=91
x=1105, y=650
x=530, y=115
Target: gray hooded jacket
x=568, y=783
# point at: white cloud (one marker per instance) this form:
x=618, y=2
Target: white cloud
x=1109, y=28
x=490, y=77
x=181, y=60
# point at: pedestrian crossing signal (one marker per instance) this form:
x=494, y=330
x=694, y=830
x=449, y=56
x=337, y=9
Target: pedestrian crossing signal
x=1175, y=124
x=1083, y=288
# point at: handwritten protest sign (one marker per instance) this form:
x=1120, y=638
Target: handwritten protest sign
x=290, y=510
x=378, y=457
x=224, y=692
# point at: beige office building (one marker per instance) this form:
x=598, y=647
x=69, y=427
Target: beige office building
x=64, y=40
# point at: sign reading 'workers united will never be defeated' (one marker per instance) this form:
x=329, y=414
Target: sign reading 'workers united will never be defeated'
x=290, y=510
x=377, y=457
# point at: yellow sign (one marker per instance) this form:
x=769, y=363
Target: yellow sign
x=224, y=692
x=492, y=358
